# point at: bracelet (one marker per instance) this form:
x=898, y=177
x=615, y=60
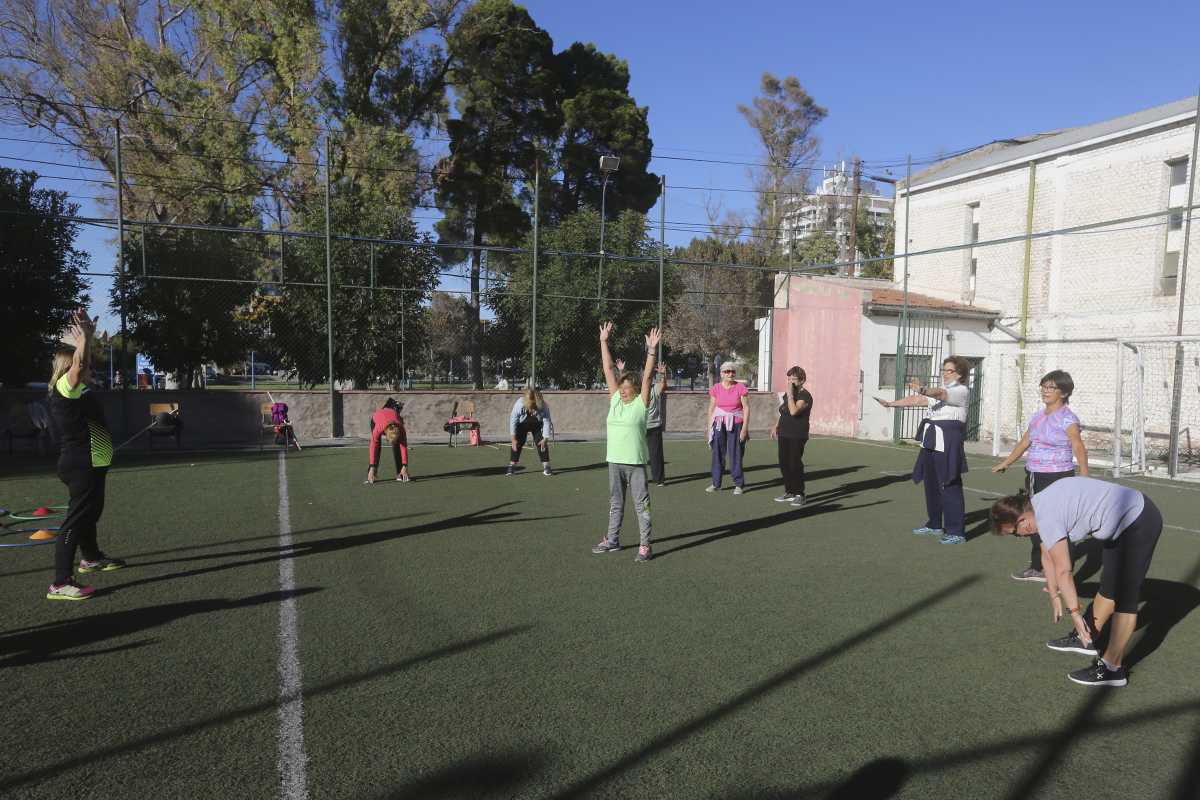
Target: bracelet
x=1074, y=610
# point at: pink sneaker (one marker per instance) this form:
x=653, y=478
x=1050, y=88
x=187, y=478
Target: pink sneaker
x=643, y=554
x=69, y=591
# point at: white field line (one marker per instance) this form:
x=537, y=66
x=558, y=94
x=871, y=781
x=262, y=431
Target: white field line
x=293, y=778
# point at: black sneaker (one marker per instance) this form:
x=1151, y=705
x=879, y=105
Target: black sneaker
x=511, y=469
x=1071, y=643
x=1098, y=674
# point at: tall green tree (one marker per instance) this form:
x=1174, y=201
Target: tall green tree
x=507, y=110
x=599, y=116
x=876, y=239
x=568, y=312
x=42, y=280
x=783, y=116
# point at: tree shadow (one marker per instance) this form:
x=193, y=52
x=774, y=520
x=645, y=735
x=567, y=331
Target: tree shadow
x=981, y=518
x=1050, y=745
x=44, y=642
x=492, y=775
x=694, y=476
x=56, y=768
x=739, y=528
x=482, y=517
x=483, y=472
x=243, y=540
x=751, y=694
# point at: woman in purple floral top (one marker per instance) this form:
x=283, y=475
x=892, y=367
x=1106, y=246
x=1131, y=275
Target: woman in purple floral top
x=1054, y=445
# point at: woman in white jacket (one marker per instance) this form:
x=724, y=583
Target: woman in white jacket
x=530, y=414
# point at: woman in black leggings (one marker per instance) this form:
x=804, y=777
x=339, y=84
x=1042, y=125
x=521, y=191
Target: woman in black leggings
x=83, y=462
x=1127, y=523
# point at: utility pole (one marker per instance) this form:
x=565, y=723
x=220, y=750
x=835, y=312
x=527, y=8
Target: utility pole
x=853, y=255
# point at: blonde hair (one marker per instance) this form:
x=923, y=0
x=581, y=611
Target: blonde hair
x=392, y=432
x=534, y=400
x=64, y=358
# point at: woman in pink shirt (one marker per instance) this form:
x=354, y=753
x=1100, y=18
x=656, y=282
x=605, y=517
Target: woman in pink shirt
x=728, y=421
x=1054, y=444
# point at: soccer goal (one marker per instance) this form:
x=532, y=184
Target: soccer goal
x=1156, y=416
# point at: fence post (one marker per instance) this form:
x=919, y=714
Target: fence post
x=537, y=185
x=1117, y=409
x=329, y=293
x=121, y=270
x=1177, y=388
x=902, y=325
x=662, y=257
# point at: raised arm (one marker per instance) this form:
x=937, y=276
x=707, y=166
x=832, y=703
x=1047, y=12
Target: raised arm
x=82, y=328
x=920, y=398
x=606, y=362
x=652, y=340
x=662, y=379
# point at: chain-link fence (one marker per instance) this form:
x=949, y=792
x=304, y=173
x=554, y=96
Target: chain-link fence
x=1147, y=389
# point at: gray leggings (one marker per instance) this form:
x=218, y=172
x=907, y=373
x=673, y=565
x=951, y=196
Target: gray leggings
x=623, y=478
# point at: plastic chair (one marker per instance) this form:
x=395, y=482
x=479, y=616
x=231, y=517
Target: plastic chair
x=462, y=418
x=175, y=431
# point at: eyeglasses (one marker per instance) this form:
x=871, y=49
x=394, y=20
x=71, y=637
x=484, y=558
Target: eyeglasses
x=1049, y=387
x=730, y=371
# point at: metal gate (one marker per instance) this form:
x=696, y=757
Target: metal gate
x=919, y=353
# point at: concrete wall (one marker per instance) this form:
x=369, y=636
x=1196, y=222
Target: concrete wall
x=231, y=418
x=819, y=331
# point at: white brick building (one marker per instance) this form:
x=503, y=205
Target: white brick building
x=1073, y=293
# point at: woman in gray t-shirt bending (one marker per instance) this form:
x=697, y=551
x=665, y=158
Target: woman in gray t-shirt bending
x=1127, y=523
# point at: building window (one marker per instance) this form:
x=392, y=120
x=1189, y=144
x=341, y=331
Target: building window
x=1170, y=273
x=915, y=367
x=1179, y=172
x=1175, y=221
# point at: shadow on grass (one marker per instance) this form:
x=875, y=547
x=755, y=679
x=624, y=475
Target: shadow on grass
x=244, y=540
x=482, y=517
x=481, y=472
x=812, y=475
x=493, y=775
x=45, y=642
x=1051, y=745
x=748, y=696
x=97, y=755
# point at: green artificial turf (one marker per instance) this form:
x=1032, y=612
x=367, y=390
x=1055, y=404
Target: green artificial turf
x=457, y=638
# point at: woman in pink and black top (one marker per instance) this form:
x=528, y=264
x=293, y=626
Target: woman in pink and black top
x=1054, y=445
x=728, y=427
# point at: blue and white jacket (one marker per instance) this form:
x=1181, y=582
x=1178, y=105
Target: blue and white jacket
x=521, y=415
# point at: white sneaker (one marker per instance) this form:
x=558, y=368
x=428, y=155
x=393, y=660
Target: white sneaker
x=710, y=489
x=785, y=498
x=737, y=490
x=546, y=470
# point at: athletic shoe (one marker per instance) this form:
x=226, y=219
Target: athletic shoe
x=547, y=471
x=661, y=483
x=69, y=591
x=605, y=546
x=952, y=538
x=1071, y=643
x=737, y=490
x=710, y=489
x=102, y=564
x=1098, y=674
x=785, y=498
x=510, y=470
x=643, y=554
x=798, y=501
x=924, y=531
x=1029, y=574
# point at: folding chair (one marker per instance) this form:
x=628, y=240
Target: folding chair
x=174, y=431
x=462, y=418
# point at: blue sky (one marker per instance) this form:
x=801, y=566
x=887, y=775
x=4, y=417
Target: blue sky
x=897, y=78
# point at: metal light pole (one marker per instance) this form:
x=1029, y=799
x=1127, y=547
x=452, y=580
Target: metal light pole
x=329, y=292
x=902, y=330
x=608, y=165
x=1177, y=389
x=537, y=194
